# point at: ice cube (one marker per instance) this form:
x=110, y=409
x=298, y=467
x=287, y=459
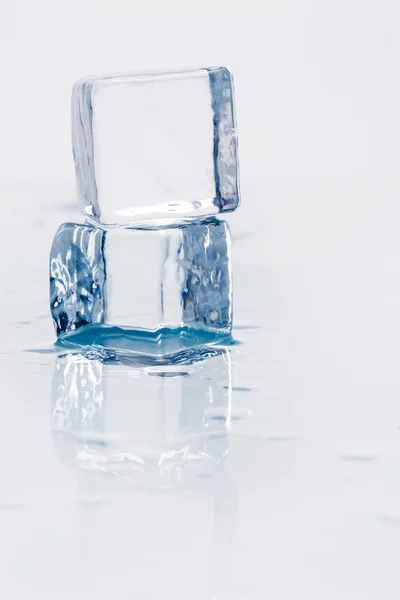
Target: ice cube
x=155, y=147
x=145, y=281
x=162, y=425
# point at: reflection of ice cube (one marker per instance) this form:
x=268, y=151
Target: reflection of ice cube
x=160, y=146
x=158, y=424
x=177, y=277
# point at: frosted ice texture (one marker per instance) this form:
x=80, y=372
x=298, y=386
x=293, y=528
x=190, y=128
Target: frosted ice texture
x=152, y=279
x=155, y=147
x=100, y=422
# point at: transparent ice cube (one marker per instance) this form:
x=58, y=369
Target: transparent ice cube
x=155, y=147
x=163, y=425
x=146, y=280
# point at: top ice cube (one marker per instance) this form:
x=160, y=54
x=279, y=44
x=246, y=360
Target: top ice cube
x=159, y=147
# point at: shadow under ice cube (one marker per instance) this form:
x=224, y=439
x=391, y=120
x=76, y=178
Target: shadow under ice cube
x=156, y=280
x=155, y=147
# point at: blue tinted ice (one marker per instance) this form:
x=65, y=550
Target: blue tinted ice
x=157, y=147
x=77, y=276
x=156, y=280
x=163, y=426
x=204, y=257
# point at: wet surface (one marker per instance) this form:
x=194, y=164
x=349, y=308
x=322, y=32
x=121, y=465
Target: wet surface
x=267, y=468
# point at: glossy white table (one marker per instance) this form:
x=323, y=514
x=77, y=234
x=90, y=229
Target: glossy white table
x=305, y=503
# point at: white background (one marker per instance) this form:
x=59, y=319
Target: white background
x=311, y=505
x=317, y=81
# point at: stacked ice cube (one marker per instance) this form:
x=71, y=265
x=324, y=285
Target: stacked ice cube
x=156, y=160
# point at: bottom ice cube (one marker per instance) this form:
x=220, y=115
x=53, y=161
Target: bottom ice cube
x=145, y=281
